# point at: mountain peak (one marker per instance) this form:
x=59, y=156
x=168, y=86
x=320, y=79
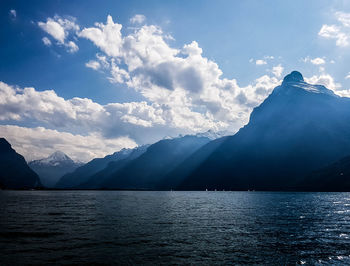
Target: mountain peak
x=295, y=80
x=211, y=134
x=4, y=145
x=54, y=159
x=294, y=76
x=58, y=156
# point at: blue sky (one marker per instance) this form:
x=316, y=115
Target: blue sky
x=157, y=68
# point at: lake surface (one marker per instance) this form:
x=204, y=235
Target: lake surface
x=134, y=227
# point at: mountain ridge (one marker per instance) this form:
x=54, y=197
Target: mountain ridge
x=83, y=173
x=149, y=169
x=14, y=170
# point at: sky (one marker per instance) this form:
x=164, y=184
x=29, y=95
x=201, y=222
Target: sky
x=92, y=77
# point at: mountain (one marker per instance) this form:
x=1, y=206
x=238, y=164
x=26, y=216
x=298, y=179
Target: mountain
x=83, y=174
x=98, y=179
x=177, y=175
x=210, y=134
x=50, y=169
x=149, y=170
x=14, y=171
x=333, y=177
x=299, y=128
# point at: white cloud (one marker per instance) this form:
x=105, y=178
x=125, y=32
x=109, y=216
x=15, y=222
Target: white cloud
x=222, y=106
x=334, y=32
x=54, y=29
x=13, y=13
x=45, y=108
x=340, y=32
x=101, y=63
x=314, y=61
x=46, y=41
x=105, y=36
x=344, y=18
x=138, y=19
x=38, y=142
x=118, y=75
x=260, y=62
x=329, y=82
x=93, y=64
x=263, y=61
x=185, y=87
x=72, y=47
x=278, y=70
x=343, y=93
x=318, y=61
x=59, y=29
x=347, y=76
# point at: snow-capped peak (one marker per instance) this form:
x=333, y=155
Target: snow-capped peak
x=56, y=158
x=295, y=80
x=123, y=152
x=211, y=134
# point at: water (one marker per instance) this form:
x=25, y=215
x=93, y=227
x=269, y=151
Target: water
x=125, y=227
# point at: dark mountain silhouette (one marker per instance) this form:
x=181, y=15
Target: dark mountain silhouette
x=97, y=180
x=176, y=176
x=334, y=177
x=83, y=174
x=14, y=171
x=297, y=129
x=50, y=169
x=150, y=169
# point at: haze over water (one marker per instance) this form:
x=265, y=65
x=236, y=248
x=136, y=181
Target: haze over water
x=128, y=227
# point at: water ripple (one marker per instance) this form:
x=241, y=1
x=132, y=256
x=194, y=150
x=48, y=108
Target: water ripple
x=121, y=227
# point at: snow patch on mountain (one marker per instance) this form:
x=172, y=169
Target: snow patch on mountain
x=296, y=80
x=54, y=159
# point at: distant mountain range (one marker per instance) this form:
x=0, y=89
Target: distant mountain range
x=140, y=168
x=52, y=168
x=297, y=139
x=98, y=179
x=14, y=171
x=150, y=169
x=82, y=174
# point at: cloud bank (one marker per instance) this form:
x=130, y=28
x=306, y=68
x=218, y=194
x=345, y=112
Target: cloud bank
x=38, y=142
x=184, y=93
